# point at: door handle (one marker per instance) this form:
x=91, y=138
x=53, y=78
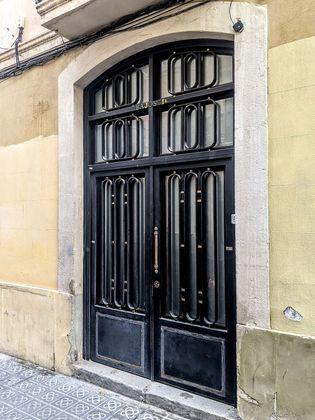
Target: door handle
x=156, y=249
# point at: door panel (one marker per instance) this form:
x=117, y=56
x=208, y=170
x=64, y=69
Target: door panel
x=193, y=359
x=120, y=340
x=193, y=335
x=119, y=311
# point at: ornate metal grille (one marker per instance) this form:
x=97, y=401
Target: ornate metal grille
x=123, y=253
x=190, y=71
x=194, y=225
x=160, y=196
x=123, y=89
x=197, y=126
x=123, y=138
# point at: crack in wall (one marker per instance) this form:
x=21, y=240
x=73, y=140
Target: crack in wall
x=248, y=398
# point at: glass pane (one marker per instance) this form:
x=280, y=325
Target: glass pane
x=145, y=83
x=98, y=143
x=120, y=83
x=164, y=91
x=191, y=76
x=163, y=133
x=225, y=122
x=107, y=91
x=175, y=74
x=225, y=69
x=208, y=69
x=98, y=101
x=124, y=138
x=174, y=125
x=209, y=124
x=191, y=126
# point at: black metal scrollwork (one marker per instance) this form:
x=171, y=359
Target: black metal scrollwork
x=193, y=70
x=195, y=246
x=123, y=89
x=123, y=230
x=188, y=127
x=122, y=138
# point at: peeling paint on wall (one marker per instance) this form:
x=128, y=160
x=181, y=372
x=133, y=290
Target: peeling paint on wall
x=292, y=314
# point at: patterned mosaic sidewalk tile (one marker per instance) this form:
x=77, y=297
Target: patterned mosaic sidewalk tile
x=29, y=392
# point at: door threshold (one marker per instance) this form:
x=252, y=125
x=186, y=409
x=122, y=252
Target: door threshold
x=163, y=396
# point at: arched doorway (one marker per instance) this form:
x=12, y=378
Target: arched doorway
x=159, y=182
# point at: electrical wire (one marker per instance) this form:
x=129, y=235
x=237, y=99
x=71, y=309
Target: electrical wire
x=230, y=7
x=148, y=16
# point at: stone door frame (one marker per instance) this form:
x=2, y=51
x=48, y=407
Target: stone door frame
x=209, y=21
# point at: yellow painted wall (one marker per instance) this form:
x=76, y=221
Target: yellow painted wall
x=35, y=324
x=35, y=320
x=292, y=183
x=29, y=175
x=28, y=212
x=290, y=20
x=28, y=103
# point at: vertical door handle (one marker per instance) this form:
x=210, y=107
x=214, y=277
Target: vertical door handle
x=156, y=249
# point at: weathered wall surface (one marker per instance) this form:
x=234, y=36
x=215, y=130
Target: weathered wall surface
x=28, y=212
x=29, y=176
x=28, y=103
x=35, y=319
x=276, y=370
x=276, y=375
x=290, y=20
x=291, y=163
x=35, y=325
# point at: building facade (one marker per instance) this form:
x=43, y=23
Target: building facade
x=156, y=194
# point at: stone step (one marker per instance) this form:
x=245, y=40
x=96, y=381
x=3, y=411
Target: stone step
x=168, y=398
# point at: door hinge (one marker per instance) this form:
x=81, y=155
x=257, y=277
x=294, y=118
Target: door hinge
x=233, y=219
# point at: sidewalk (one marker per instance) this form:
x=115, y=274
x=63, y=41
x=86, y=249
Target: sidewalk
x=29, y=392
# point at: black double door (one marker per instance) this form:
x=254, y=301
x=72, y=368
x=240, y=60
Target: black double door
x=159, y=234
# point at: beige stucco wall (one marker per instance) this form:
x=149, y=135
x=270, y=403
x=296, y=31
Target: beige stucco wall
x=292, y=183
x=35, y=318
x=29, y=176
x=276, y=370
x=290, y=20
x=275, y=375
x=28, y=212
x=28, y=103
x=35, y=325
